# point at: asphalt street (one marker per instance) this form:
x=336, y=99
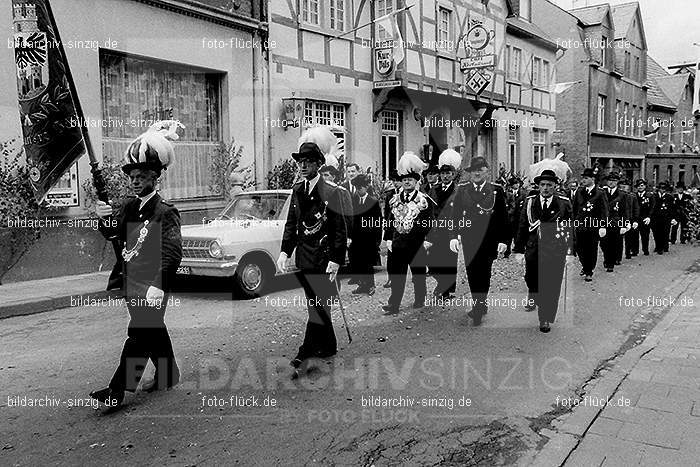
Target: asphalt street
x=458, y=394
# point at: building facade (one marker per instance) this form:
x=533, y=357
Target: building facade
x=603, y=115
x=673, y=150
x=434, y=84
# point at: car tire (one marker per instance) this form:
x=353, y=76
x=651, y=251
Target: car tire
x=252, y=277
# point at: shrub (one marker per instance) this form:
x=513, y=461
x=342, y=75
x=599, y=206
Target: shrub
x=225, y=161
x=282, y=175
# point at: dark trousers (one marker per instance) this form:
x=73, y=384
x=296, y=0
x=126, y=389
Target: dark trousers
x=682, y=227
x=543, y=276
x=147, y=338
x=611, y=244
x=363, y=259
x=587, y=249
x=320, y=293
x=401, y=260
x=479, y=278
x=632, y=242
x=644, y=236
x=443, y=267
x=661, y=232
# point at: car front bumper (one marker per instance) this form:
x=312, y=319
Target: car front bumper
x=222, y=268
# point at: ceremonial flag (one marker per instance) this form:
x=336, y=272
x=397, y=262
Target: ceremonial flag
x=50, y=114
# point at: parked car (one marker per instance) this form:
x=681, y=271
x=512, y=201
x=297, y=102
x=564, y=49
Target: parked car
x=242, y=242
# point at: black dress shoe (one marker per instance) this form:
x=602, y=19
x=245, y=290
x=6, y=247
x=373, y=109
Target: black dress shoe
x=387, y=285
x=581, y=273
x=588, y=278
x=390, y=310
x=618, y=263
x=111, y=398
x=544, y=326
x=418, y=303
x=530, y=307
x=476, y=320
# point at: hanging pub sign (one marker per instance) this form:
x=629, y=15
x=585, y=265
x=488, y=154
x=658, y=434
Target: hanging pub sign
x=480, y=53
x=52, y=140
x=385, y=68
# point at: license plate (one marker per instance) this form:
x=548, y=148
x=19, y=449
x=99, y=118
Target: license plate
x=184, y=270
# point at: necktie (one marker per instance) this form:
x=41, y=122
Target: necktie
x=306, y=187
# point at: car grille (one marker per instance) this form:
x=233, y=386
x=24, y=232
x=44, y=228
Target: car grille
x=196, y=248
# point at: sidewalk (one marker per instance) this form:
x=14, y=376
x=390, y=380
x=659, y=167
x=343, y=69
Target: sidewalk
x=658, y=421
x=26, y=298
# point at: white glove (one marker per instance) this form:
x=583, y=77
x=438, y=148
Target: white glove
x=646, y=221
x=388, y=245
x=282, y=262
x=623, y=230
x=602, y=232
x=103, y=209
x=349, y=241
x=427, y=245
x=674, y=222
x=635, y=225
x=332, y=270
x=154, y=296
x=502, y=247
x=520, y=258
x=454, y=245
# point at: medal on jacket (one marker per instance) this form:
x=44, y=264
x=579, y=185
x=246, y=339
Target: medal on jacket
x=129, y=253
x=488, y=210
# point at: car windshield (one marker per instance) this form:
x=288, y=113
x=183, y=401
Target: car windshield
x=260, y=206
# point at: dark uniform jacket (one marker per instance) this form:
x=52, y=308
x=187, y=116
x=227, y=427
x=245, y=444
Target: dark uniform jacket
x=441, y=196
x=545, y=233
x=663, y=210
x=619, y=211
x=367, y=228
x=160, y=252
x=481, y=219
x=681, y=206
x=515, y=202
x=646, y=202
x=316, y=226
x=633, y=207
x=590, y=210
x=410, y=219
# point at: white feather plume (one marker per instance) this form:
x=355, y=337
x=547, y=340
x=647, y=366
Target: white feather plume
x=450, y=157
x=326, y=141
x=557, y=165
x=410, y=163
x=158, y=137
x=332, y=161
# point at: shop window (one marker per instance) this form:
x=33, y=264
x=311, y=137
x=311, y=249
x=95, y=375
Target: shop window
x=539, y=144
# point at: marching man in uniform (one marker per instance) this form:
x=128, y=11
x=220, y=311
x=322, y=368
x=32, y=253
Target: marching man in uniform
x=480, y=218
x=410, y=219
x=148, y=228
x=316, y=230
x=618, y=218
x=590, y=216
x=662, y=218
x=646, y=201
x=544, y=241
x=443, y=261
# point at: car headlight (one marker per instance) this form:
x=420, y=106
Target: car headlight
x=215, y=250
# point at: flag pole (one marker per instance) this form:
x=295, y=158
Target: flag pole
x=389, y=15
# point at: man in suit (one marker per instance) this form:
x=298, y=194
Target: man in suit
x=544, y=241
x=515, y=200
x=443, y=261
x=618, y=214
x=646, y=201
x=316, y=230
x=632, y=223
x=573, y=187
x=329, y=172
x=590, y=222
x=478, y=211
x=432, y=179
x=148, y=229
x=352, y=170
x=682, y=204
x=388, y=196
x=662, y=217
x=410, y=219
x=366, y=235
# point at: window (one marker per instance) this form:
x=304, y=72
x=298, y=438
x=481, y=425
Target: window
x=513, y=93
x=544, y=77
x=514, y=60
x=627, y=63
x=601, y=112
x=309, y=11
x=513, y=147
x=656, y=174
x=390, y=141
x=681, y=173
x=337, y=14
x=626, y=117
x=383, y=7
x=526, y=9
x=633, y=121
x=669, y=173
x=657, y=123
x=637, y=76
x=326, y=114
x=617, y=116
x=444, y=29
x=604, y=51
x=138, y=91
x=539, y=141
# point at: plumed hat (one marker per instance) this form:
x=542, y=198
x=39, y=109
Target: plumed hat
x=547, y=175
x=330, y=165
x=560, y=168
x=410, y=165
x=449, y=160
x=326, y=141
x=153, y=150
